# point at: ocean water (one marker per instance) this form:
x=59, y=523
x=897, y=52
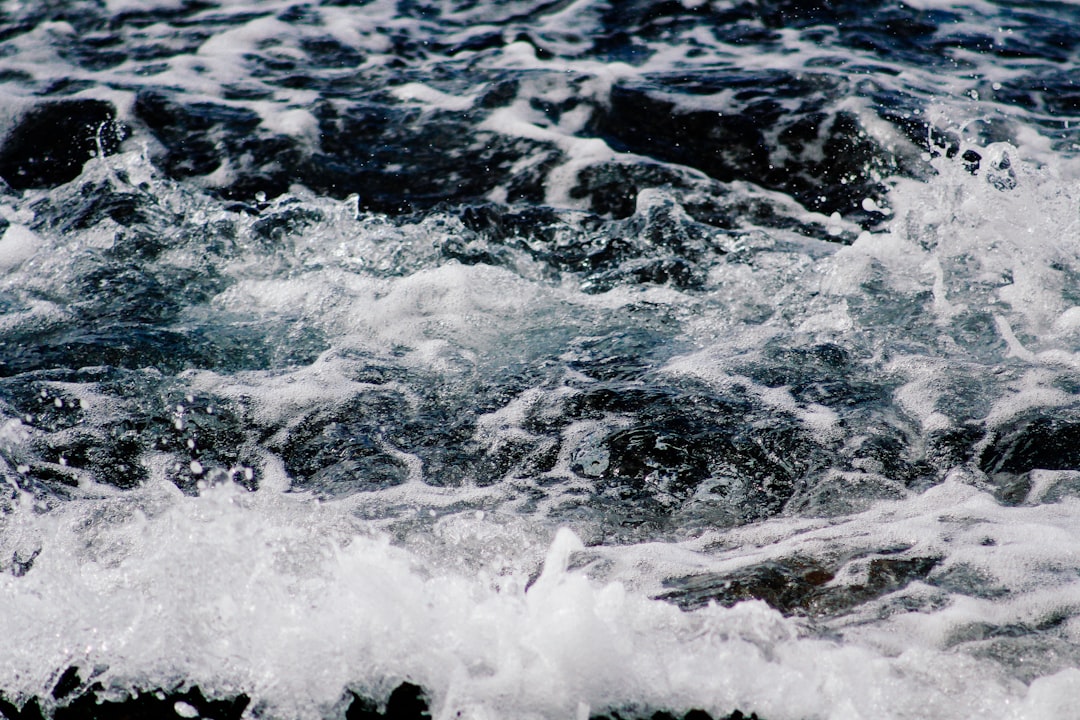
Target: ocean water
x=539, y=359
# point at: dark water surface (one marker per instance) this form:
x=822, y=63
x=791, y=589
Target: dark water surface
x=543, y=359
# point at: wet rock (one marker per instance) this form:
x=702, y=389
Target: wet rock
x=152, y=706
x=89, y=704
x=823, y=158
x=197, y=137
x=50, y=143
x=77, y=699
x=343, y=450
x=141, y=345
x=612, y=188
x=1029, y=652
x=801, y=586
x=1030, y=442
x=406, y=702
x=399, y=159
x=1034, y=441
x=118, y=418
x=723, y=147
x=965, y=579
x=69, y=682
x=749, y=460
x=30, y=711
x=629, y=714
x=785, y=585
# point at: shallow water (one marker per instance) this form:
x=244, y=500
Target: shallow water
x=560, y=358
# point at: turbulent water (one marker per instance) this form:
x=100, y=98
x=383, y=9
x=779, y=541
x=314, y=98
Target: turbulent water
x=544, y=359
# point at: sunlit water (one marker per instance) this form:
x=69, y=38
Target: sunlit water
x=559, y=358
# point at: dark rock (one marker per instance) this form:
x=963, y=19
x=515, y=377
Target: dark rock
x=130, y=413
x=799, y=586
x=884, y=575
x=822, y=157
x=51, y=142
x=666, y=715
x=1034, y=442
x=22, y=562
x=785, y=585
x=151, y=705
x=724, y=147
x=753, y=459
x=30, y=711
x=399, y=159
x=69, y=682
x=1031, y=441
x=196, y=136
x=341, y=450
x=612, y=188
x=406, y=702
x=965, y=579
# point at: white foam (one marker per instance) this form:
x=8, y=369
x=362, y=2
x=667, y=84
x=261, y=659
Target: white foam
x=291, y=601
x=984, y=7
x=418, y=92
x=118, y=6
x=291, y=121
x=18, y=244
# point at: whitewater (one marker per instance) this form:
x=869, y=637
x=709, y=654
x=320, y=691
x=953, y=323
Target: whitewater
x=539, y=359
